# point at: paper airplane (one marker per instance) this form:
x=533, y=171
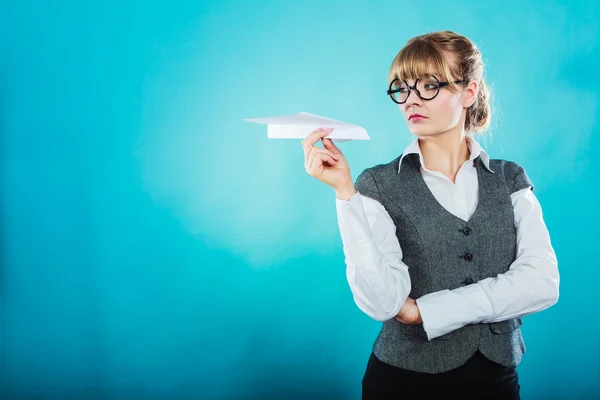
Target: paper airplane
x=298, y=126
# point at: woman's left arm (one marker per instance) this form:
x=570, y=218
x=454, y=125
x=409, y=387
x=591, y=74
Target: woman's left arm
x=530, y=285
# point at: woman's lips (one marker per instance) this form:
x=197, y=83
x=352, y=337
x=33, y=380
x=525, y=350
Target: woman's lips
x=416, y=117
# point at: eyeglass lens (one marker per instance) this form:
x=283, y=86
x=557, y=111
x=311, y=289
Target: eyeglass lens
x=427, y=86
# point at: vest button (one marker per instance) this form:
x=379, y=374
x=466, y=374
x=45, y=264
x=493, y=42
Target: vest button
x=467, y=281
x=468, y=256
x=467, y=231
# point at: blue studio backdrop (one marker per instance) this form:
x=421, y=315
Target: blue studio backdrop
x=154, y=245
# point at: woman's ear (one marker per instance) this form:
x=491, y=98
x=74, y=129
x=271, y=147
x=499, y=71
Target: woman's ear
x=470, y=94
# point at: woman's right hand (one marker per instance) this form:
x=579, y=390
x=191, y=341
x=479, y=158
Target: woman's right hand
x=326, y=164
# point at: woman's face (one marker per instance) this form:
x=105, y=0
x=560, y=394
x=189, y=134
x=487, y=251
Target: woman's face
x=445, y=112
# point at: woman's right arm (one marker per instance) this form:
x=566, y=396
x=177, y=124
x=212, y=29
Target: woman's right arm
x=377, y=276
x=378, y=279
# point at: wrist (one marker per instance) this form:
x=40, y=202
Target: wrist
x=345, y=192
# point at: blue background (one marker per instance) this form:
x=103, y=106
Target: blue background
x=155, y=245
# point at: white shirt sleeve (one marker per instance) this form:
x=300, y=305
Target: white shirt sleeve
x=530, y=285
x=378, y=278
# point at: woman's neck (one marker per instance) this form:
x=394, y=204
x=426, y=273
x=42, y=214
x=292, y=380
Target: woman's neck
x=445, y=152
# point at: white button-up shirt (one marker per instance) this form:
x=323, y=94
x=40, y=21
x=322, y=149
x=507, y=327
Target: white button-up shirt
x=380, y=281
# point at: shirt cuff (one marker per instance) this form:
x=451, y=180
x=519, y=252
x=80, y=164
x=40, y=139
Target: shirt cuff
x=447, y=310
x=354, y=200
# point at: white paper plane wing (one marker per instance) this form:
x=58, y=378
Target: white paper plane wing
x=298, y=126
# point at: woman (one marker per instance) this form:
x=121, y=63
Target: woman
x=445, y=246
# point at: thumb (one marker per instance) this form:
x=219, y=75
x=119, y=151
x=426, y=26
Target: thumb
x=328, y=144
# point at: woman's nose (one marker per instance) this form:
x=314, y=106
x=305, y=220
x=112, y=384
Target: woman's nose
x=415, y=97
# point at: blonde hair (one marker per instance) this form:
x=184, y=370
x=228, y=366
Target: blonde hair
x=453, y=57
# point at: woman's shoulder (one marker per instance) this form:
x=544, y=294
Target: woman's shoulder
x=383, y=168
x=514, y=173
x=507, y=166
x=370, y=179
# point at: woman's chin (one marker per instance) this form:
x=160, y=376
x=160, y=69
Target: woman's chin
x=421, y=131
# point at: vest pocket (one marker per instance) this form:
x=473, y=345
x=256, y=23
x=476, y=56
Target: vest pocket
x=506, y=326
x=417, y=331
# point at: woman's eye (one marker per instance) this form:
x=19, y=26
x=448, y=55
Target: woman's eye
x=430, y=86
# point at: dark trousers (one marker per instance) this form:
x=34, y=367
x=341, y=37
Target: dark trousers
x=479, y=378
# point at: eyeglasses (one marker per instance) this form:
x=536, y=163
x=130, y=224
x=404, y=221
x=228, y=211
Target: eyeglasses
x=426, y=88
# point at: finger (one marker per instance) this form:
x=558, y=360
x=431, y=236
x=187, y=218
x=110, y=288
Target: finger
x=318, y=160
x=310, y=140
x=328, y=143
x=317, y=134
x=307, y=146
x=323, y=150
x=317, y=150
x=310, y=161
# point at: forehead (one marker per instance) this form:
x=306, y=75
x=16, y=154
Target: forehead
x=422, y=78
x=411, y=65
x=424, y=75
x=410, y=71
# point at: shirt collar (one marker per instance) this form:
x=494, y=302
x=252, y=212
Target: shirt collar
x=474, y=147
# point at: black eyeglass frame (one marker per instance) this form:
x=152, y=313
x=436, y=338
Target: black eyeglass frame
x=390, y=92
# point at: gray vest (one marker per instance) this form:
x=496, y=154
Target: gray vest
x=443, y=251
